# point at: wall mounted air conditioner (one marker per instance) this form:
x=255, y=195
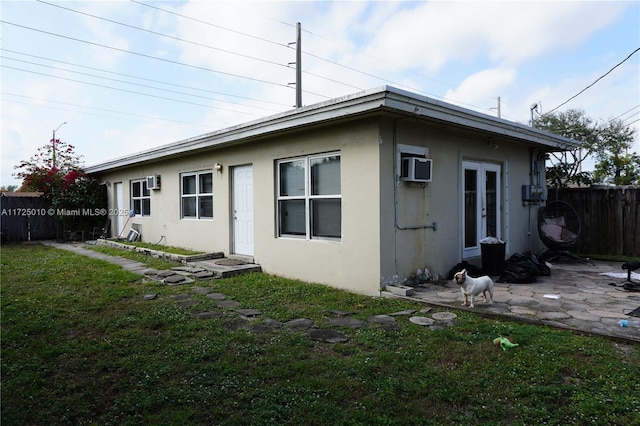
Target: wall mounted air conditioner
x=416, y=169
x=153, y=182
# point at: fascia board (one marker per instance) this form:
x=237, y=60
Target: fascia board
x=343, y=107
x=451, y=114
x=367, y=102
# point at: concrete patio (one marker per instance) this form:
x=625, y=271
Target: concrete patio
x=576, y=297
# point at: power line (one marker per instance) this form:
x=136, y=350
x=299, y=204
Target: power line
x=127, y=91
x=137, y=84
x=194, y=42
x=144, y=78
x=128, y=114
x=304, y=52
x=598, y=79
x=166, y=35
x=210, y=24
x=145, y=55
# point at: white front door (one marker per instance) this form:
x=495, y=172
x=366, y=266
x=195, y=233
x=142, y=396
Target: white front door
x=119, y=208
x=481, y=205
x=242, y=204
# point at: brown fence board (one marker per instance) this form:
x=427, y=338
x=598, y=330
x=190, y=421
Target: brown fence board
x=26, y=219
x=610, y=219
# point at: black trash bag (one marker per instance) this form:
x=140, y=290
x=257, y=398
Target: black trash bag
x=472, y=270
x=523, y=268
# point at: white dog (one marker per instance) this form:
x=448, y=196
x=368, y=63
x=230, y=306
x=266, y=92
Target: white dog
x=471, y=287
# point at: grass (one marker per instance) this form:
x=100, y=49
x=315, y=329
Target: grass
x=80, y=345
x=160, y=247
x=150, y=261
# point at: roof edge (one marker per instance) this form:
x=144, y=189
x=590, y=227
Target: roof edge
x=387, y=97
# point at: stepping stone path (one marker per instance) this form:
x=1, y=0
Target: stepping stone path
x=247, y=318
x=216, y=296
x=299, y=324
x=329, y=336
x=225, y=304
x=347, y=322
x=174, y=279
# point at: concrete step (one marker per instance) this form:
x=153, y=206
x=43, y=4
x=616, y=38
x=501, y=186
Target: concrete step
x=226, y=267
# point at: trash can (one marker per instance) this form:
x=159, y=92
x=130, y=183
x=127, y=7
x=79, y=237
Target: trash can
x=493, y=253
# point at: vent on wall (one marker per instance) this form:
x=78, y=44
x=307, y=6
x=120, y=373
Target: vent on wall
x=416, y=169
x=153, y=182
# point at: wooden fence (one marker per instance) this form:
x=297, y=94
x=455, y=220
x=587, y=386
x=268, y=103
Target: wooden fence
x=26, y=217
x=610, y=218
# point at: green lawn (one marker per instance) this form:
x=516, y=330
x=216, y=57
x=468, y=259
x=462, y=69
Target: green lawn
x=80, y=345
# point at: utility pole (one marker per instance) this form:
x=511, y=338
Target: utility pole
x=498, y=108
x=53, y=143
x=298, y=66
x=298, y=63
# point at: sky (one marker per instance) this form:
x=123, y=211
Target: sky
x=127, y=76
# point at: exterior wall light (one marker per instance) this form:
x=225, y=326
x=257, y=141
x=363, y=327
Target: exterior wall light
x=218, y=167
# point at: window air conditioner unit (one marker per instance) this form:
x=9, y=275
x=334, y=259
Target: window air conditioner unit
x=153, y=182
x=416, y=169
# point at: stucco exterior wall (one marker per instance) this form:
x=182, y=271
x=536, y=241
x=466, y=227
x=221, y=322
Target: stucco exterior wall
x=387, y=224
x=351, y=264
x=408, y=243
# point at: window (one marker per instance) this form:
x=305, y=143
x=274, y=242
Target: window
x=140, y=197
x=309, y=197
x=196, y=191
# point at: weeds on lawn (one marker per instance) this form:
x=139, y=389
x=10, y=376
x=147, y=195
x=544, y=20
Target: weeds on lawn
x=150, y=261
x=80, y=345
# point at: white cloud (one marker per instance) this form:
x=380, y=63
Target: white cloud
x=479, y=88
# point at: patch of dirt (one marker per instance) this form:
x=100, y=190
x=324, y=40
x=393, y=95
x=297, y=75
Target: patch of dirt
x=628, y=351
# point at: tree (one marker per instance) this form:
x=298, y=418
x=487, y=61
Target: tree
x=606, y=142
x=8, y=188
x=614, y=163
x=63, y=182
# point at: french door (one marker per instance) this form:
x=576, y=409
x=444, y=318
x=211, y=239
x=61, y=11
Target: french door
x=481, y=205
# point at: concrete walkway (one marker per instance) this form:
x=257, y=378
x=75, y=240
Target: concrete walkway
x=576, y=297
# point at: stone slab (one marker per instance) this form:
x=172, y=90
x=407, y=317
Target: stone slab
x=237, y=324
x=204, y=274
x=209, y=315
x=347, y=322
x=273, y=323
x=174, y=279
x=299, y=324
x=328, y=336
x=187, y=303
x=381, y=319
x=444, y=316
x=225, y=304
x=403, y=313
x=248, y=312
x=400, y=290
x=421, y=320
x=216, y=296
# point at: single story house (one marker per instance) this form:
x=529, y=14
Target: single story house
x=355, y=192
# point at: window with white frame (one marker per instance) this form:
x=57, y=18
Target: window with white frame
x=309, y=198
x=196, y=193
x=140, y=197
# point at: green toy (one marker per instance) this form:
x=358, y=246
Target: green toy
x=504, y=343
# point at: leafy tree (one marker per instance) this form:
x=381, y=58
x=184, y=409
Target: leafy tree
x=8, y=188
x=63, y=182
x=607, y=143
x=614, y=163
